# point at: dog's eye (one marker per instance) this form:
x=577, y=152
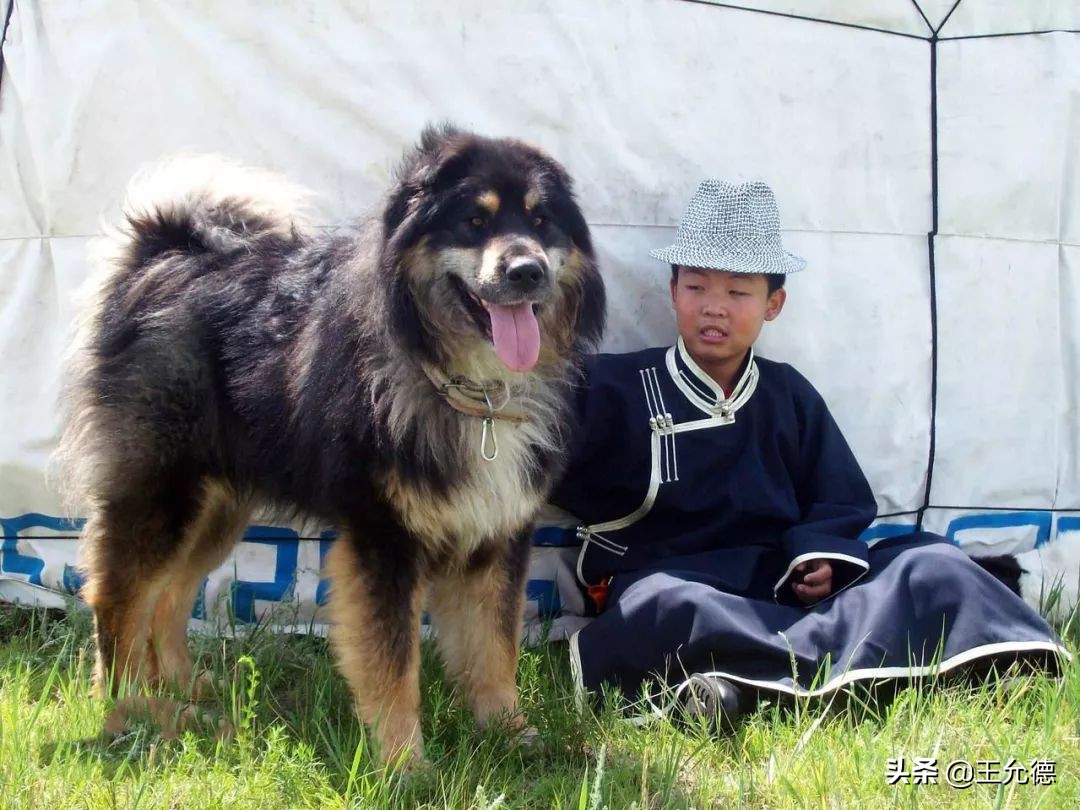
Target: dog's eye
x=478, y=222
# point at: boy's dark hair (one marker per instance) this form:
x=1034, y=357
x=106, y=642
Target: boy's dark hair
x=775, y=280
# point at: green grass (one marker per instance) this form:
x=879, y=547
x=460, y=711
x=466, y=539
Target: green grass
x=297, y=743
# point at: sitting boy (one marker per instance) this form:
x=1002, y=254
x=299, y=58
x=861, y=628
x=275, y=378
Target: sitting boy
x=722, y=507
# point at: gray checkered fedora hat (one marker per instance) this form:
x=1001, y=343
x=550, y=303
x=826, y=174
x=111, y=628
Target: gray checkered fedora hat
x=731, y=227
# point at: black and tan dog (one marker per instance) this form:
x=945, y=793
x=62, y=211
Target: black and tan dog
x=408, y=382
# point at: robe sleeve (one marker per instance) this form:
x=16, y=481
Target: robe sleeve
x=835, y=500
x=590, y=423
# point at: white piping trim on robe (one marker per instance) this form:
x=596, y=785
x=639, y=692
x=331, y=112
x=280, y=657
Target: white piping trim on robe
x=846, y=679
x=660, y=422
x=664, y=425
x=575, y=671
x=850, y=676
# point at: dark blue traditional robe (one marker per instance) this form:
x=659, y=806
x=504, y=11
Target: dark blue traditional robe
x=695, y=510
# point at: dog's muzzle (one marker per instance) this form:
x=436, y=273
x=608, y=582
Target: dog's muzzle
x=526, y=274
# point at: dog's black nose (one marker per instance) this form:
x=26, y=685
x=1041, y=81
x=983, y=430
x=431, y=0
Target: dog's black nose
x=525, y=274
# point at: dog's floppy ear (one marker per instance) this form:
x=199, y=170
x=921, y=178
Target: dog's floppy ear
x=405, y=320
x=438, y=160
x=563, y=202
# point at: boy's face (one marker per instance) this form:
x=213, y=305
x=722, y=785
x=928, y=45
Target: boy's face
x=720, y=315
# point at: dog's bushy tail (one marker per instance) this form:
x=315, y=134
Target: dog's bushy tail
x=182, y=206
x=206, y=203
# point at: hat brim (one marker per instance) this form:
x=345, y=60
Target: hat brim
x=779, y=262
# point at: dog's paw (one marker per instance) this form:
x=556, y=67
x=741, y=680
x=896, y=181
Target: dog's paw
x=165, y=714
x=170, y=717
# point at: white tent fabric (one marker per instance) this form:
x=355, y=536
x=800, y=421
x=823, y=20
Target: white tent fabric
x=930, y=180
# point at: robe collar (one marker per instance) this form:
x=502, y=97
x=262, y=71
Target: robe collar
x=703, y=390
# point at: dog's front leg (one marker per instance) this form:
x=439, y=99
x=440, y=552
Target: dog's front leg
x=376, y=596
x=477, y=610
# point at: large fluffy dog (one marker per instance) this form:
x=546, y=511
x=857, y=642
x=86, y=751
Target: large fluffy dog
x=408, y=383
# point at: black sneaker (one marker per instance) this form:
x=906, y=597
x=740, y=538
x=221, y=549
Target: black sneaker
x=715, y=699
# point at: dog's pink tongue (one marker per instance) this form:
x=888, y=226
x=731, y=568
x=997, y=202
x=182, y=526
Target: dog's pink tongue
x=516, y=335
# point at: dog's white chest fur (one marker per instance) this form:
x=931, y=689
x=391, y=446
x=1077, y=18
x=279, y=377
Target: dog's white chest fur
x=493, y=499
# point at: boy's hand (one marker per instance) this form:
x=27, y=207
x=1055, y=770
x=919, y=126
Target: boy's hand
x=812, y=580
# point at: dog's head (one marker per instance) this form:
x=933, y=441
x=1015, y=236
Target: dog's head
x=486, y=255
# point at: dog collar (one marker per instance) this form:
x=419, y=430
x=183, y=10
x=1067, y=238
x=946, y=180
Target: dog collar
x=484, y=400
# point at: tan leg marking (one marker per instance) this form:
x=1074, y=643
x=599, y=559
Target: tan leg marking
x=141, y=609
x=478, y=632
x=122, y=601
x=216, y=531
x=382, y=669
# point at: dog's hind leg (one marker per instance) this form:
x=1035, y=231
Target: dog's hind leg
x=218, y=524
x=376, y=596
x=131, y=545
x=477, y=612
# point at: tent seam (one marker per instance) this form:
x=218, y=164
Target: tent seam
x=3, y=38
x=932, y=268
x=806, y=19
